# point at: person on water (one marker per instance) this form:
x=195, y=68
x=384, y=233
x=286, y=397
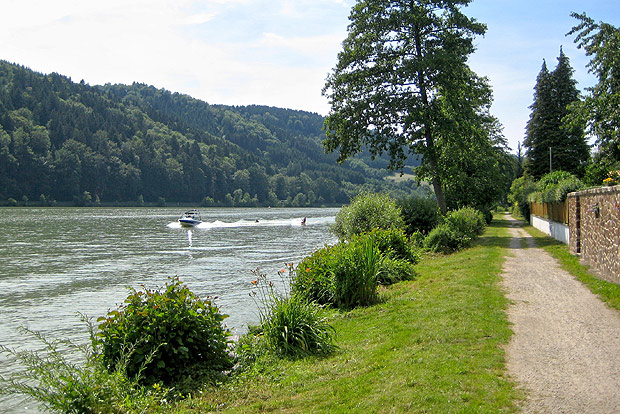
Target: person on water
x=303, y=221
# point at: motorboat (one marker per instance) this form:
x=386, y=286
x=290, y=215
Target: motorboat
x=190, y=218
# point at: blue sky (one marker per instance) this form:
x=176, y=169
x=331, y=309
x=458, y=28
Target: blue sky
x=271, y=52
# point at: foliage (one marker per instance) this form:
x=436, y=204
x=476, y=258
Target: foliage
x=457, y=231
x=430, y=92
x=599, y=110
x=476, y=168
x=367, y=211
x=554, y=92
x=346, y=274
x=520, y=190
x=137, y=144
x=175, y=336
x=69, y=378
x=357, y=274
x=314, y=275
x=553, y=187
x=291, y=325
x=419, y=213
x=394, y=270
x=391, y=243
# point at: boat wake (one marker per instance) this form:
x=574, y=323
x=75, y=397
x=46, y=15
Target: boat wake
x=293, y=222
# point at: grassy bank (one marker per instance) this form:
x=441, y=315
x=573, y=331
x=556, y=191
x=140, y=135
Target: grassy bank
x=431, y=345
x=607, y=291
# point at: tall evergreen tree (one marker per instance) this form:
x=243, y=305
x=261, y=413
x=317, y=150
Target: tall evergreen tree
x=550, y=143
x=537, y=149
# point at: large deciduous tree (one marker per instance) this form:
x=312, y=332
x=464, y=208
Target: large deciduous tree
x=546, y=133
x=600, y=110
x=402, y=82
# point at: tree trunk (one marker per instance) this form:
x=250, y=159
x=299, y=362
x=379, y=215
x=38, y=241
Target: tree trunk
x=428, y=133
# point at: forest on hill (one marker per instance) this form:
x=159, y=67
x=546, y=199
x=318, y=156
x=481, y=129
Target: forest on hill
x=68, y=142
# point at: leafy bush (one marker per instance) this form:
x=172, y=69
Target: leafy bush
x=76, y=387
x=291, y=325
x=467, y=221
x=395, y=270
x=367, y=211
x=174, y=336
x=445, y=239
x=314, y=275
x=554, y=186
x=420, y=214
x=458, y=230
x=520, y=191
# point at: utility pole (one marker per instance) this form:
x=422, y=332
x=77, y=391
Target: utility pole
x=550, y=160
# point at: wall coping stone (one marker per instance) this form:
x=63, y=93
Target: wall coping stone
x=595, y=191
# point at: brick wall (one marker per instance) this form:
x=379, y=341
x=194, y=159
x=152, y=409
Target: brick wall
x=594, y=220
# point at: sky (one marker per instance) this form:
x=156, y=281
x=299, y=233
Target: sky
x=273, y=52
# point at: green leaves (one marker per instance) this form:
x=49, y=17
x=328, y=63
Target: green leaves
x=173, y=335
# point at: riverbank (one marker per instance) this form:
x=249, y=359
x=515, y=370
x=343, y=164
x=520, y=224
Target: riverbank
x=433, y=345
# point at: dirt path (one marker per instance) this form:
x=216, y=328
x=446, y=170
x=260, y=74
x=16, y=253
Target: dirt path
x=565, y=351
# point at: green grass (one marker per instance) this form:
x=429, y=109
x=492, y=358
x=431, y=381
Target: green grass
x=433, y=345
x=608, y=292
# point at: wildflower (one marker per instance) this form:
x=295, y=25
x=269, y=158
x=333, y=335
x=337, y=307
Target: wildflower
x=307, y=269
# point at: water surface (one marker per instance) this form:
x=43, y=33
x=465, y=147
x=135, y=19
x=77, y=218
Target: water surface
x=56, y=262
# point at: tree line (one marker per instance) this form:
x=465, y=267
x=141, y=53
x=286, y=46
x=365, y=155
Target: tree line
x=68, y=142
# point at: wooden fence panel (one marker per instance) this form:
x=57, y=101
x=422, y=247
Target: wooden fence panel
x=552, y=211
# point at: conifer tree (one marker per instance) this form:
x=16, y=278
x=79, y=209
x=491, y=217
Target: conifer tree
x=552, y=144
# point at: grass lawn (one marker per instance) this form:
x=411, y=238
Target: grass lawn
x=433, y=345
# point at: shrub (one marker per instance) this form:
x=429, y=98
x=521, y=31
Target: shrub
x=467, y=221
x=444, y=239
x=366, y=212
x=314, y=276
x=291, y=325
x=554, y=186
x=174, y=336
x=420, y=214
x=395, y=270
x=458, y=230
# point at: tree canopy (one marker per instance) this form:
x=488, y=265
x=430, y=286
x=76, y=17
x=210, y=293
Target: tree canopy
x=402, y=85
x=599, y=111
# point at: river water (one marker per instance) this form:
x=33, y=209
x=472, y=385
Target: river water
x=58, y=262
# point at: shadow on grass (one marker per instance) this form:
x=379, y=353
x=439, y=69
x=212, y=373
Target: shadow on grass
x=499, y=241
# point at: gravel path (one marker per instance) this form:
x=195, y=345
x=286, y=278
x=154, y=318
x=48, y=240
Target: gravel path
x=565, y=351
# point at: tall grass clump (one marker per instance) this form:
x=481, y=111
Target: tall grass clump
x=176, y=338
x=367, y=211
x=357, y=274
x=290, y=325
x=334, y=274
x=69, y=378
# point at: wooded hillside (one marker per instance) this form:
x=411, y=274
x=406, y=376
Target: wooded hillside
x=72, y=142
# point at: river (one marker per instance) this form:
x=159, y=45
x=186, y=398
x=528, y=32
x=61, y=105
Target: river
x=58, y=262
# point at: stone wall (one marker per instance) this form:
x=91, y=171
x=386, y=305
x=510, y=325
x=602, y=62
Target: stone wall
x=594, y=220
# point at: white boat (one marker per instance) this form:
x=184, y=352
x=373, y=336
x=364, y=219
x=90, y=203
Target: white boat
x=190, y=218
